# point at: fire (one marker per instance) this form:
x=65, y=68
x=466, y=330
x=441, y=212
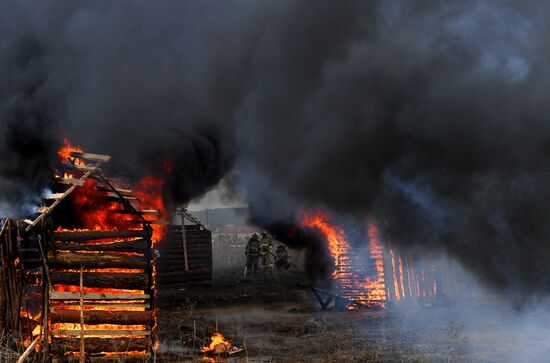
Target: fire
x=65, y=152
x=149, y=192
x=337, y=245
x=352, y=278
x=97, y=208
x=376, y=282
x=70, y=288
x=218, y=344
x=377, y=273
x=96, y=212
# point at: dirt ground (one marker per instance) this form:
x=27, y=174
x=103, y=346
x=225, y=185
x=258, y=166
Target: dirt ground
x=277, y=319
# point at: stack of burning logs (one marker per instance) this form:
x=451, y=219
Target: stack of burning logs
x=110, y=298
x=81, y=293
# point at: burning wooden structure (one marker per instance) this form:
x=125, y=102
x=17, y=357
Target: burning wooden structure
x=372, y=273
x=70, y=291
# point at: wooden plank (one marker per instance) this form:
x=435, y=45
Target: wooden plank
x=92, y=157
x=109, y=333
x=81, y=317
x=138, y=246
x=98, y=345
x=43, y=209
x=91, y=235
x=70, y=303
x=58, y=295
x=75, y=259
x=54, y=196
x=71, y=181
x=132, y=281
x=127, y=192
x=84, y=168
x=102, y=317
x=162, y=222
x=149, y=212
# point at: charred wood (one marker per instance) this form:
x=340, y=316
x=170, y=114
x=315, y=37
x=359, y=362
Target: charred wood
x=138, y=246
x=90, y=260
x=102, y=317
x=75, y=236
x=132, y=281
x=97, y=345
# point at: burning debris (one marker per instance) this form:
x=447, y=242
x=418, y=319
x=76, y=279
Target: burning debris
x=373, y=273
x=219, y=345
x=88, y=281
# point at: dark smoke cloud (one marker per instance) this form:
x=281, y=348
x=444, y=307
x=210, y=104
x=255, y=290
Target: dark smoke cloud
x=142, y=83
x=432, y=114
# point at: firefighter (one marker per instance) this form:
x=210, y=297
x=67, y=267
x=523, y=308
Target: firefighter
x=252, y=253
x=282, y=258
x=266, y=252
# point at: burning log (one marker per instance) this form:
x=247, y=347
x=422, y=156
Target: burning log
x=62, y=295
x=78, y=236
x=74, y=260
x=102, y=317
x=104, y=305
x=132, y=281
x=139, y=246
x=97, y=345
x=107, y=332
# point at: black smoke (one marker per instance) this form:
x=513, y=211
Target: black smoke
x=431, y=114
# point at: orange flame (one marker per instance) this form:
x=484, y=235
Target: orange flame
x=65, y=152
x=95, y=211
x=354, y=282
x=218, y=344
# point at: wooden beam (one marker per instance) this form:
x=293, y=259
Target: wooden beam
x=149, y=212
x=81, y=317
x=162, y=222
x=71, y=181
x=138, y=246
x=98, y=345
x=132, y=281
x=84, y=168
x=127, y=192
x=114, y=197
x=28, y=351
x=75, y=259
x=107, y=304
x=91, y=157
x=54, y=196
x=107, y=333
x=102, y=317
x=57, y=295
x=91, y=235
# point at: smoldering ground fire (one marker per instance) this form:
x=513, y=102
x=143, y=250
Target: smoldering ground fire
x=430, y=118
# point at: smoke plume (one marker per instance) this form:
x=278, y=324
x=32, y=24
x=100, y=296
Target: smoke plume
x=430, y=114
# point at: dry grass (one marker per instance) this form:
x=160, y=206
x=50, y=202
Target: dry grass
x=7, y=352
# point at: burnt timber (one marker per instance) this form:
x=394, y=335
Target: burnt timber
x=197, y=252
